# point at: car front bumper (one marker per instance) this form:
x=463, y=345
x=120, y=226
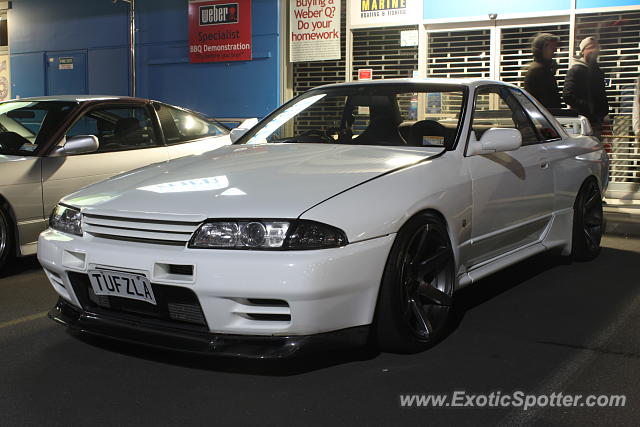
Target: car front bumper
x=241, y=346
x=317, y=292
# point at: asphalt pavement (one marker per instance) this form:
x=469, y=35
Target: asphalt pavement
x=543, y=326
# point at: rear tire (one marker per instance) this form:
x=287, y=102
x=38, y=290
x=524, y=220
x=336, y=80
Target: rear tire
x=414, y=302
x=588, y=222
x=6, y=238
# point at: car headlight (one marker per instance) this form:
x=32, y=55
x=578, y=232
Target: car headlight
x=267, y=235
x=66, y=219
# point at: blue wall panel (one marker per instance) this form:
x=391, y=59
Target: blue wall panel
x=434, y=9
x=109, y=72
x=42, y=25
x=244, y=88
x=27, y=75
x=237, y=89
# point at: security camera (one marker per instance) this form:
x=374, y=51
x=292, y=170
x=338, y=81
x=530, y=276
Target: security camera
x=493, y=15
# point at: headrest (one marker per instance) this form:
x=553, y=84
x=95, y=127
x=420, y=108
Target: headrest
x=127, y=126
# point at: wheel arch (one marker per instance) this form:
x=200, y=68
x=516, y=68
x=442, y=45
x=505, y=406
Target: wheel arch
x=584, y=182
x=450, y=232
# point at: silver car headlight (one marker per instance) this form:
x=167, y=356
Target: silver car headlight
x=267, y=235
x=66, y=219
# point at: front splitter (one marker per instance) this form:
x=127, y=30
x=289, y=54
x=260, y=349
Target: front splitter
x=231, y=345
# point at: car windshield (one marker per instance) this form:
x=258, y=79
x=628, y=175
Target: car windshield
x=26, y=124
x=417, y=115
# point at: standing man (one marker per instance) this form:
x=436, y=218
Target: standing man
x=540, y=80
x=584, y=87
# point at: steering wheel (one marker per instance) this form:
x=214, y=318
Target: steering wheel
x=325, y=135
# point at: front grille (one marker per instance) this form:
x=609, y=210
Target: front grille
x=175, y=304
x=153, y=231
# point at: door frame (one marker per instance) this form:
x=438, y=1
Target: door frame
x=61, y=53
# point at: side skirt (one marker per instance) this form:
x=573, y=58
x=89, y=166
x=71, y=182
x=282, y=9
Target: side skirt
x=556, y=234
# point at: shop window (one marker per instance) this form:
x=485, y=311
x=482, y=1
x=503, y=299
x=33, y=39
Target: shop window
x=4, y=38
x=619, y=59
x=459, y=54
x=516, y=54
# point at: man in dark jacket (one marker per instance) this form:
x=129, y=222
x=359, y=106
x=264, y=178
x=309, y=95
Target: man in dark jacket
x=540, y=80
x=584, y=86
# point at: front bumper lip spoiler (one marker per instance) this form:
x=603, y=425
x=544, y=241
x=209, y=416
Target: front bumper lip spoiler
x=240, y=346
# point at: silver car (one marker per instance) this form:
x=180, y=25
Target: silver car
x=52, y=146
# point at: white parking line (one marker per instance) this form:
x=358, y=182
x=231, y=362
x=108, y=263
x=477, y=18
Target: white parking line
x=23, y=319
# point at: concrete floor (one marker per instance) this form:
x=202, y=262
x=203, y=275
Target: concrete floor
x=542, y=326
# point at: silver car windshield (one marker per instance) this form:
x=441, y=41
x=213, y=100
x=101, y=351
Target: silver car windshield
x=393, y=115
x=25, y=124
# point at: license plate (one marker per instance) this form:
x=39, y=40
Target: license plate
x=125, y=285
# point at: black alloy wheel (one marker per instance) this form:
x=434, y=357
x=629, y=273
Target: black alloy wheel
x=415, y=298
x=588, y=223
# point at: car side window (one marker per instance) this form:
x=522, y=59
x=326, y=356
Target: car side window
x=181, y=126
x=496, y=107
x=118, y=128
x=544, y=128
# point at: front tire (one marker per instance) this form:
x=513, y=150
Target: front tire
x=414, y=302
x=588, y=223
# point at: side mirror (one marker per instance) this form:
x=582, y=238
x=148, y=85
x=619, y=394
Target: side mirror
x=244, y=127
x=496, y=140
x=81, y=144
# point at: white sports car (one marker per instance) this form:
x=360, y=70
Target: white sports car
x=350, y=214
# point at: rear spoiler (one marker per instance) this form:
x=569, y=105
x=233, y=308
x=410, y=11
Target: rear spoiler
x=572, y=122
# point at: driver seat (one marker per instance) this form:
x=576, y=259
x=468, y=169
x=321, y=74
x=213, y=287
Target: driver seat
x=383, y=126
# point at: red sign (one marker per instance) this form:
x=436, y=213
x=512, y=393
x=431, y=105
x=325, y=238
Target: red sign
x=220, y=31
x=365, y=74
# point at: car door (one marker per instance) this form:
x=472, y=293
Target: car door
x=186, y=133
x=24, y=124
x=128, y=137
x=554, y=149
x=513, y=190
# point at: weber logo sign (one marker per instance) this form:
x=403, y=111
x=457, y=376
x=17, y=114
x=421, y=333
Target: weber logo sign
x=220, y=31
x=217, y=14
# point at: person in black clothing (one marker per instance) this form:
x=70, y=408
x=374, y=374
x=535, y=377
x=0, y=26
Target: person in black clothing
x=540, y=80
x=584, y=86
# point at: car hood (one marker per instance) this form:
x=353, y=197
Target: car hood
x=245, y=181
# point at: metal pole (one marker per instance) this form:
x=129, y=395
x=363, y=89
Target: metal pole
x=132, y=45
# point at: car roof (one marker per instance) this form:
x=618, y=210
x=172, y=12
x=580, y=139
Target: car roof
x=80, y=98
x=472, y=83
